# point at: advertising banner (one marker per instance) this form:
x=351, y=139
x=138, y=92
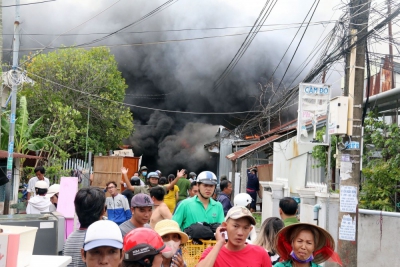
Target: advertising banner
x=313, y=107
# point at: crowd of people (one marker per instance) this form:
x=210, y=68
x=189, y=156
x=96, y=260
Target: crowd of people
x=147, y=224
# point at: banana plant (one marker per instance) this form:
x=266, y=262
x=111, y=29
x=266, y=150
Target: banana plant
x=24, y=140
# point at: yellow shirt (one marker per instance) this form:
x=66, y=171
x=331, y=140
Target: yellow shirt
x=170, y=199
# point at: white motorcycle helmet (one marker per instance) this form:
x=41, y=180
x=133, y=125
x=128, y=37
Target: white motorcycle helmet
x=242, y=199
x=207, y=177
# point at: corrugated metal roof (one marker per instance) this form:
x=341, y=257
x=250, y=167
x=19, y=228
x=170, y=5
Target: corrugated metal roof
x=280, y=127
x=251, y=148
x=244, y=143
x=279, y=132
x=4, y=154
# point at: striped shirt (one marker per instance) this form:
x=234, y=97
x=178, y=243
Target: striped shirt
x=72, y=247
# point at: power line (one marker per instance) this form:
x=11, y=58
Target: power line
x=317, y=47
x=288, y=96
x=336, y=47
x=335, y=55
x=148, y=15
x=33, y=3
x=243, y=46
x=310, y=57
x=151, y=43
x=381, y=55
x=142, y=107
x=294, y=37
x=151, y=95
x=246, y=43
x=298, y=45
x=315, y=23
x=146, y=97
x=42, y=49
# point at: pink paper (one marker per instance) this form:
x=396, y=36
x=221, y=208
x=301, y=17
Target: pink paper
x=66, y=196
x=12, y=250
x=69, y=227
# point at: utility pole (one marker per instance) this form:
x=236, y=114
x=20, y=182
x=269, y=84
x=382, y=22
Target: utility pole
x=390, y=46
x=391, y=64
x=6, y=209
x=354, y=87
x=395, y=117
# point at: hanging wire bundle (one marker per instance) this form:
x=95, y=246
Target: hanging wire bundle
x=331, y=50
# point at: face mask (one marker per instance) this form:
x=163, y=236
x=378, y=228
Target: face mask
x=144, y=173
x=174, y=246
x=153, y=185
x=311, y=258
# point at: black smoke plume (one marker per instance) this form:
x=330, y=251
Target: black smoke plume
x=177, y=75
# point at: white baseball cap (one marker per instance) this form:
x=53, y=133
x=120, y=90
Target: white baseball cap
x=103, y=233
x=53, y=189
x=41, y=184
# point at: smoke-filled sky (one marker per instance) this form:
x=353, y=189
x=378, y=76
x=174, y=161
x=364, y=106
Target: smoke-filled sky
x=179, y=76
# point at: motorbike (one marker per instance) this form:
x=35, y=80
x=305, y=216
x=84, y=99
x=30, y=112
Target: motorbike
x=23, y=193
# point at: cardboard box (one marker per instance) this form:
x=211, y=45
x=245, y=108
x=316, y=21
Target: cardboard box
x=3, y=250
x=20, y=241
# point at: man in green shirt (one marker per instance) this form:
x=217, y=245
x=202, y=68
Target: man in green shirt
x=287, y=210
x=200, y=208
x=183, y=184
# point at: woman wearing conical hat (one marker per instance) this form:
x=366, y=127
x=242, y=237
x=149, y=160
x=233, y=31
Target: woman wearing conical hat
x=305, y=245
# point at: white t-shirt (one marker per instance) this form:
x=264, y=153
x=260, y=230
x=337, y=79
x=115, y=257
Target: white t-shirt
x=31, y=185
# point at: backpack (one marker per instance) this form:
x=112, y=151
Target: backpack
x=202, y=230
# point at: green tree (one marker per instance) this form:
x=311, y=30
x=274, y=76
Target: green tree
x=24, y=139
x=63, y=128
x=321, y=152
x=380, y=189
x=71, y=84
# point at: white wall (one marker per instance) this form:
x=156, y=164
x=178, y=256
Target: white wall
x=268, y=205
x=243, y=176
x=396, y=80
x=236, y=190
x=376, y=248
x=225, y=165
x=328, y=214
x=290, y=163
x=307, y=214
x=271, y=199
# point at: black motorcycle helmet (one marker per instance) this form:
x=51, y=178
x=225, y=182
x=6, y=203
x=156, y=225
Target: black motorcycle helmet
x=135, y=181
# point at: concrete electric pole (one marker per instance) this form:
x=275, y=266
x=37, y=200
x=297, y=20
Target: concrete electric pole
x=351, y=156
x=13, y=110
